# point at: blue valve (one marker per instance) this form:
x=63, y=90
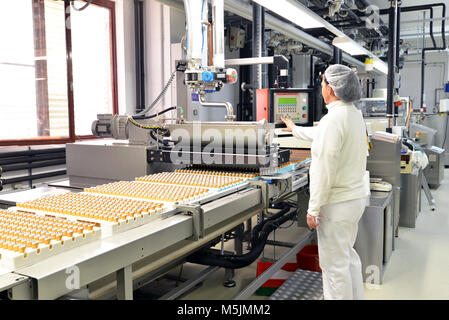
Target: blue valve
x=208, y=76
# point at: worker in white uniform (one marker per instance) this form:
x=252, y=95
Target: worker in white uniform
x=339, y=182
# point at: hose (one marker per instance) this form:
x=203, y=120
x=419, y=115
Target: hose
x=83, y=7
x=130, y=119
x=159, y=97
x=212, y=257
x=156, y=114
x=445, y=135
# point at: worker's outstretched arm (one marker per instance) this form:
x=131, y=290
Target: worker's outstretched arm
x=326, y=150
x=303, y=133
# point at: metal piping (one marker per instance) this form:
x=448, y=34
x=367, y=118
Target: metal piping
x=391, y=63
x=218, y=26
x=244, y=10
x=229, y=109
x=139, y=54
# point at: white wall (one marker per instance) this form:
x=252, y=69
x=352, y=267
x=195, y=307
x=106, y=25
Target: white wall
x=126, y=67
x=158, y=54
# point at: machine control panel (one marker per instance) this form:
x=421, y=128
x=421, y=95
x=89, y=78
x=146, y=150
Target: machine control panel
x=291, y=105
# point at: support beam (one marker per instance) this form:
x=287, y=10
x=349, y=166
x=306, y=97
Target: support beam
x=258, y=50
x=125, y=283
x=391, y=64
x=337, y=57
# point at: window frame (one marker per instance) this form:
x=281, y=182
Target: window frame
x=44, y=140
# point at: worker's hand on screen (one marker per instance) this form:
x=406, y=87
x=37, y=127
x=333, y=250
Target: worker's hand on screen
x=290, y=125
x=312, y=222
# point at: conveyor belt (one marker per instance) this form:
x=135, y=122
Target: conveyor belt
x=116, y=245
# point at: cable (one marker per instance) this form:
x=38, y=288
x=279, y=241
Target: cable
x=156, y=114
x=445, y=135
x=130, y=119
x=159, y=97
x=291, y=224
x=83, y=7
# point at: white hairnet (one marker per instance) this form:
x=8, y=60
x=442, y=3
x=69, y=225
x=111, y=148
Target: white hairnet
x=344, y=81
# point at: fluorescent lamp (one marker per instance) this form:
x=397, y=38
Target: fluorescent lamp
x=294, y=12
x=349, y=46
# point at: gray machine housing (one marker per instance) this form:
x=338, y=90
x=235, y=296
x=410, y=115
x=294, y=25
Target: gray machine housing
x=434, y=171
x=384, y=162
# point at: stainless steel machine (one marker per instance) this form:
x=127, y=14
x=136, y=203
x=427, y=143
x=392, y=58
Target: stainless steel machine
x=426, y=138
x=434, y=172
x=126, y=249
x=384, y=162
x=374, y=242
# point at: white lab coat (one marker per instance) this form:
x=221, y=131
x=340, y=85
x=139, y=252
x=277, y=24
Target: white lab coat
x=339, y=186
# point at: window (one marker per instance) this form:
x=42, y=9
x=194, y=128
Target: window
x=31, y=72
x=93, y=60
x=41, y=57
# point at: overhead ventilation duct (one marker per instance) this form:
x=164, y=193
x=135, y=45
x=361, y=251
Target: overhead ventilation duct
x=362, y=5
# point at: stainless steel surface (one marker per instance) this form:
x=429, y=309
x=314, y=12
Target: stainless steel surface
x=427, y=192
x=439, y=122
x=396, y=211
x=384, y=161
x=99, y=162
x=374, y=237
x=267, y=274
x=434, y=172
x=229, y=109
x=388, y=231
x=182, y=157
x=223, y=134
x=410, y=193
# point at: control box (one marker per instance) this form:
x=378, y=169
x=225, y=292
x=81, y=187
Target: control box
x=444, y=105
x=293, y=104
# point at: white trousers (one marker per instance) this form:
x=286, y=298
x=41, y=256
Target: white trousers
x=339, y=262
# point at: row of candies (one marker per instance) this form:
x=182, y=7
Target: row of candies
x=189, y=179
x=22, y=230
x=150, y=191
x=94, y=207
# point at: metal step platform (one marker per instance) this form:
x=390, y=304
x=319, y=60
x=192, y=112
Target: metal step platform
x=301, y=285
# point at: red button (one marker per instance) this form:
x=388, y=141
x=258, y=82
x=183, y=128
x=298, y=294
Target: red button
x=304, y=116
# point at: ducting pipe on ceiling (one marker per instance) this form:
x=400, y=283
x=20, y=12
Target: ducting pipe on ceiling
x=362, y=5
x=244, y=10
